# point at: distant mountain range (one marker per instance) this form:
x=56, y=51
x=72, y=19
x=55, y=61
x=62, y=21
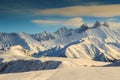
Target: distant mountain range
x=99, y=42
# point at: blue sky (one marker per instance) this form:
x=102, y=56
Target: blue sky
x=35, y=16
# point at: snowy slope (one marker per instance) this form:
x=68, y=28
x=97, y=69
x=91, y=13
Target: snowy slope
x=80, y=73
x=64, y=36
x=97, y=43
x=82, y=69
x=26, y=41
x=10, y=63
x=93, y=48
x=44, y=36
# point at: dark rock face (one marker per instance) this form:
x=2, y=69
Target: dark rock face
x=83, y=27
x=97, y=24
x=64, y=31
x=106, y=24
x=61, y=30
x=27, y=65
x=44, y=36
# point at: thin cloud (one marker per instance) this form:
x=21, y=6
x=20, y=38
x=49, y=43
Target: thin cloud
x=71, y=11
x=76, y=22
x=46, y=22
x=96, y=10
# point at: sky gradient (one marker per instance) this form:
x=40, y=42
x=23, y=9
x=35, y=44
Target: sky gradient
x=35, y=16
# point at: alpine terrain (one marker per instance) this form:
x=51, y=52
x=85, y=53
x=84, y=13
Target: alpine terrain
x=51, y=56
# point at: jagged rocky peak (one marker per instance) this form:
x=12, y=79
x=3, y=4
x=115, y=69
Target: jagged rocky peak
x=48, y=35
x=44, y=36
x=61, y=30
x=97, y=24
x=106, y=24
x=45, y=33
x=82, y=28
x=64, y=31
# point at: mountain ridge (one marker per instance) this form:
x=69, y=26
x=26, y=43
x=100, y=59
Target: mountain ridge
x=99, y=42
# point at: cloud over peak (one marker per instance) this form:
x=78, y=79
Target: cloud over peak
x=76, y=22
x=46, y=22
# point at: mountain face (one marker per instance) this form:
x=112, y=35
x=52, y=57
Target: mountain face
x=99, y=42
x=44, y=36
x=97, y=24
x=8, y=40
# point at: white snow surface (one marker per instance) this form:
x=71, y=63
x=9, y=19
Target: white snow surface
x=69, y=69
x=87, y=53
x=99, y=42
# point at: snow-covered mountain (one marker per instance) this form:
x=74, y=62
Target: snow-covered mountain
x=99, y=42
x=26, y=41
x=44, y=36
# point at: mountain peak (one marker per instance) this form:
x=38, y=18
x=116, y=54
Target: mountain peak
x=106, y=24
x=97, y=24
x=83, y=27
x=45, y=33
x=61, y=30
